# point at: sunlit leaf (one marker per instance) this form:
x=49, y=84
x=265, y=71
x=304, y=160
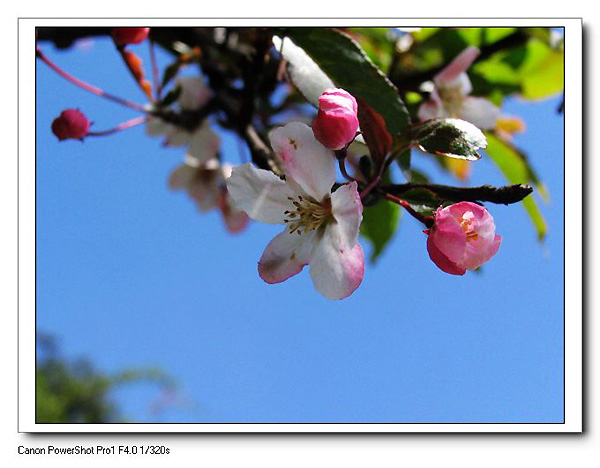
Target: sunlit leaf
x=448, y=137
x=516, y=171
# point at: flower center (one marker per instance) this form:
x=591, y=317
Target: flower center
x=308, y=214
x=465, y=222
x=453, y=99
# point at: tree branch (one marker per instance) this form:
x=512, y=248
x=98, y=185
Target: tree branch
x=486, y=193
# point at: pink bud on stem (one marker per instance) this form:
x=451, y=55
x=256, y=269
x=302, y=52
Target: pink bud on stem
x=124, y=36
x=463, y=237
x=71, y=124
x=337, y=121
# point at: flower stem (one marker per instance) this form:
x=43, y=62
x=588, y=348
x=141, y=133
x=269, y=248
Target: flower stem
x=86, y=86
x=121, y=126
x=342, y=164
x=426, y=220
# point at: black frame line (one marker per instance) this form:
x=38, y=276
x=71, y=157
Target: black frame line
x=306, y=423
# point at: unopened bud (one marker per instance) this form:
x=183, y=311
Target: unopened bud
x=124, y=36
x=71, y=124
x=337, y=120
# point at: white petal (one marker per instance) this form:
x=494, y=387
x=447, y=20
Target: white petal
x=480, y=112
x=156, y=126
x=205, y=144
x=194, y=93
x=336, y=270
x=304, y=159
x=261, y=194
x=462, y=82
x=347, y=210
x=177, y=136
x=304, y=72
x=285, y=256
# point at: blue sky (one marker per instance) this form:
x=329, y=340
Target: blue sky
x=131, y=275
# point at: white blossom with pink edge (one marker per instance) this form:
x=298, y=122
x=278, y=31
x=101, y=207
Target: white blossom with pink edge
x=463, y=237
x=321, y=227
x=205, y=184
x=450, y=95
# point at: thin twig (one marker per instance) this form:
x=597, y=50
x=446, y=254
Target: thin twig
x=121, y=126
x=86, y=86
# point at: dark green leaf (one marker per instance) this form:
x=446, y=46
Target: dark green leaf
x=171, y=97
x=346, y=63
x=170, y=73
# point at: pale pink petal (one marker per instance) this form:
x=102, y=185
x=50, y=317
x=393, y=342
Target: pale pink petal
x=194, y=93
x=304, y=159
x=285, y=256
x=205, y=190
x=205, y=144
x=480, y=112
x=441, y=260
x=431, y=110
x=460, y=64
x=347, y=210
x=261, y=194
x=235, y=220
x=477, y=253
x=336, y=269
x=181, y=177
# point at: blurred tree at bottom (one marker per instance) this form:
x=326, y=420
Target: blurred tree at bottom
x=76, y=392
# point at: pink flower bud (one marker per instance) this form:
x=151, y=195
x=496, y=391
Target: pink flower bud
x=336, y=122
x=71, y=124
x=463, y=237
x=124, y=36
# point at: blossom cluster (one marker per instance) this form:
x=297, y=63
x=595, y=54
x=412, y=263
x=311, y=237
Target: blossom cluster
x=321, y=217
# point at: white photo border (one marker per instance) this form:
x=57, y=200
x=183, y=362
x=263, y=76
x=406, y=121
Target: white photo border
x=573, y=247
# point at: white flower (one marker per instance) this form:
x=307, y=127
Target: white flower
x=321, y=227
x=202, y=142
x=205, y=184
x=450, y=95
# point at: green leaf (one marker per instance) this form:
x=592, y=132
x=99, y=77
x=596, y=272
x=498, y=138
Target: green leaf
x=448, y=137
x=547, y=78
x=170, y=73
x=348, y=66
x=517, y=171
x=379, y=224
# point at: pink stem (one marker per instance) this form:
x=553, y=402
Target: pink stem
x=120, y=127
x=86, y=86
